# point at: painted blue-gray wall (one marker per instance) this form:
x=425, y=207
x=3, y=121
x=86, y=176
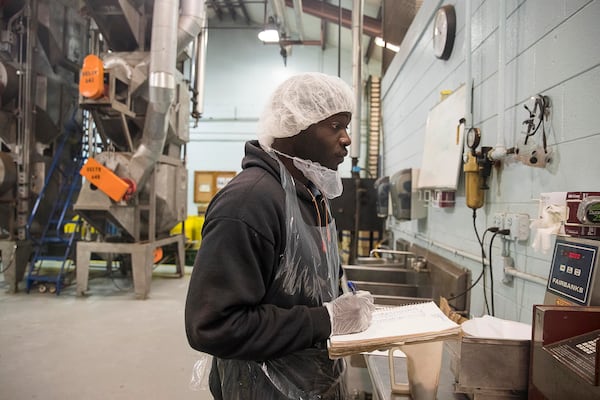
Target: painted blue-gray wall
x=551, y=48
x=241, y=72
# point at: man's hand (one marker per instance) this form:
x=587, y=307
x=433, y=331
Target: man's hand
x=351, y=312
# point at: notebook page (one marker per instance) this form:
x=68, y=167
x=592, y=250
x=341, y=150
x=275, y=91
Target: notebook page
x=400, y=321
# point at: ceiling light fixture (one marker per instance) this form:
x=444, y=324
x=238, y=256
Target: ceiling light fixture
x=270, y=34
x=382, y=43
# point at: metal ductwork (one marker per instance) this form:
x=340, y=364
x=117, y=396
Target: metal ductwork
x=191, y=22
x=161, y=90
x=193, y=27
x=165, y=32
x=142, y=115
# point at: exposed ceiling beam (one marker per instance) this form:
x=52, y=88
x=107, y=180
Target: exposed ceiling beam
x=217, y=8
x=231, y=9
x=329, y=12
x=371, y=45
x=244, y=11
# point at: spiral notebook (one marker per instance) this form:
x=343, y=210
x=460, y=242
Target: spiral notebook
x=396, y=325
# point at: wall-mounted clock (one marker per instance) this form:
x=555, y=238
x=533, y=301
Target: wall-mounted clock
x=444, y=30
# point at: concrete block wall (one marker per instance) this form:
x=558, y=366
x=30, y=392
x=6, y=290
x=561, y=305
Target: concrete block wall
x=550, y=50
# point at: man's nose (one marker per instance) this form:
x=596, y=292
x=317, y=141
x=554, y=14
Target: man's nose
x=346, y=140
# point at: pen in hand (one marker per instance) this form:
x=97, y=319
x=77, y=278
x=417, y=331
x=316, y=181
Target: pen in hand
x=352, y=287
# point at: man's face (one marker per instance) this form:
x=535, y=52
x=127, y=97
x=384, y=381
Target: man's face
x=324, y=142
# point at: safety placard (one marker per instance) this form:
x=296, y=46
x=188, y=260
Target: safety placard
x=104, y=179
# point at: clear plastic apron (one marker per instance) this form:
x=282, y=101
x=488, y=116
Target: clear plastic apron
x=309, y=269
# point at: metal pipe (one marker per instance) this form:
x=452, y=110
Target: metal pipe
x=468, y=67
x=280, y=11
x=339, y=49
x=507, y=270
x=524, y=275
x=191, y=22
x=452, y=250
x=299, y=22
x=396, y=252
x=357, y=12
x=499, y=151
x=200, y=69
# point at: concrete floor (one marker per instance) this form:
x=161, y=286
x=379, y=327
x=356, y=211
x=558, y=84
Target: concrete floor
x=104, y=346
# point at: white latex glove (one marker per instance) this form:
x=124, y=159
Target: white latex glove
x=351, y=312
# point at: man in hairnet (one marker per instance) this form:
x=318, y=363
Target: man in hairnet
x=264, y=294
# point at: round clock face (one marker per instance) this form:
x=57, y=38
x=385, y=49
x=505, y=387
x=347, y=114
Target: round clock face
x=444, y=29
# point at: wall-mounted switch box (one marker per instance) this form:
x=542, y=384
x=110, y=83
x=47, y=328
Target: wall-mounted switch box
x=518, y=225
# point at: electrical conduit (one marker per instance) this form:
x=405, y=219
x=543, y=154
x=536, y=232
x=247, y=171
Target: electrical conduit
x=499, y=151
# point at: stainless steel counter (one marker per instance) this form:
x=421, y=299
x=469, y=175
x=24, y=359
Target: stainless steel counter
x=379, y=372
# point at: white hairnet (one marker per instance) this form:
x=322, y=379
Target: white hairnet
x=301, y=101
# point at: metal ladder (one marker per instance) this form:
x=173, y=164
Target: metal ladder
x=64, y=167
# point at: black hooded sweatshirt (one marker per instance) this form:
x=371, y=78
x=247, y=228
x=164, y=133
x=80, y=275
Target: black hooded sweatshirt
x=233, y=310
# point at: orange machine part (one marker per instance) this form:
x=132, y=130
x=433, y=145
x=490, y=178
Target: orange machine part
x=91, y=82
x=104, y=179
x=157, y=255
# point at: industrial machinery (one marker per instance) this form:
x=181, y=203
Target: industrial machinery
x=136, y=93
x=95, y=88
x=565, y=363
x=42, y=44
x=564, y=359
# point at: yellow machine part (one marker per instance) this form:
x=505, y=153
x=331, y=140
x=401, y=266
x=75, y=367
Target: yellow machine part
x=70, y=227
x=91, y=82
x=473, y=191
x=104, y=179
x=193, y=230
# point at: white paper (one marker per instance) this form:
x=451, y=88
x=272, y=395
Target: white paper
x=402, y=321
x=489, y=327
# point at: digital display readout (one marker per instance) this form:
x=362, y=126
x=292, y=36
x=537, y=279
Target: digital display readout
x=572, y=255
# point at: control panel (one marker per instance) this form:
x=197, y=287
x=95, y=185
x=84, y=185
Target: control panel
x=574, y=277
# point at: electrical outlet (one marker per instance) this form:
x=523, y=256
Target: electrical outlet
x=518, y=225
x=498, y=220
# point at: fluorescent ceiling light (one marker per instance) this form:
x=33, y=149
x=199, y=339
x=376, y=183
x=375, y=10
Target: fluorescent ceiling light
x=270, y=34
x=381, y=43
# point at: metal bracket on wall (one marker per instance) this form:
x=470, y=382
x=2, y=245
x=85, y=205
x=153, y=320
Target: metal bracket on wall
x=508, y=279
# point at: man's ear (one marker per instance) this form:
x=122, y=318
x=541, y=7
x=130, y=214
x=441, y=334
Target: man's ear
x=284, y=145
